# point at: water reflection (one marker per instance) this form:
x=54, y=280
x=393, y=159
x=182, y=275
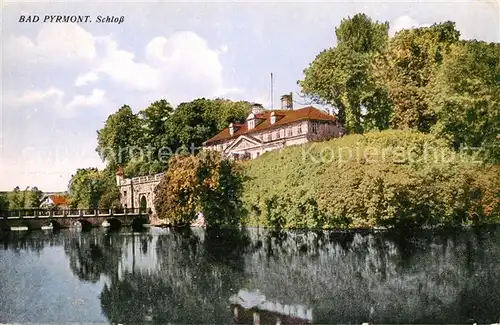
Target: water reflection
x=191, y=276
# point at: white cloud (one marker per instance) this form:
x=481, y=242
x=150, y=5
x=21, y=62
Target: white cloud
x=36, y=96
x=189, y=67
x=86, y=78
x=52, y=101
x=404, y=22
x=54, y=43
x=180, y=68
x=95, y=99
x=122, y=68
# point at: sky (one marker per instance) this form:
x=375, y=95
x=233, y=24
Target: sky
x=60, y=81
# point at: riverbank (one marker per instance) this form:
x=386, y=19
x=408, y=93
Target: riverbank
x=379, y=179
x=162, y=223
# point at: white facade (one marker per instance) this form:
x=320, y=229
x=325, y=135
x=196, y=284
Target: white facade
x=255, y=142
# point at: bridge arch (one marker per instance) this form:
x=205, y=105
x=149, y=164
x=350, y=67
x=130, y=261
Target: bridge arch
x=55, y=225
x=114, y=223
x=85, y=224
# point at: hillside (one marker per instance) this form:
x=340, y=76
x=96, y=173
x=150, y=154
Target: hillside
x=390, y=178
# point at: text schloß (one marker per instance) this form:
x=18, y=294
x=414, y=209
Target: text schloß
x=70, y=19
x=110, y=19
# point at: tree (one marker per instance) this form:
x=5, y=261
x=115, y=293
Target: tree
x=33, y=198
x=16, y=199
x=465, y=96
x=177, y=193
x=4, y=202
x=118, y=138
x=110, y=198
x=220, y=191
x=204, y=183
x=343, y=76
x=406, y=68
x=87, y=187
x=153, y=129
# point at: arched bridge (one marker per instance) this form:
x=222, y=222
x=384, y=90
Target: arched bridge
x=38, y=218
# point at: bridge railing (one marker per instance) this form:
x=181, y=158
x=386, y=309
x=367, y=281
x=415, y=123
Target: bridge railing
x=59, y=213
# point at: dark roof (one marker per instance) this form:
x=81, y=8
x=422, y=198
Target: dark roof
x=284, y=117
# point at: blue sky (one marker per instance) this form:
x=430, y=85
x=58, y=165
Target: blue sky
x=61, y=81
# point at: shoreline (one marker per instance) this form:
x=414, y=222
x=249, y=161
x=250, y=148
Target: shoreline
x=158, y=223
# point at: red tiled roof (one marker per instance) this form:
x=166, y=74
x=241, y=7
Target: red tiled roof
x=284, y=117
x=58, y=200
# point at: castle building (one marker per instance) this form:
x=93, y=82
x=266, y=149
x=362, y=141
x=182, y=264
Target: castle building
x=137, y=192
x=267, y=130
x=264, y=130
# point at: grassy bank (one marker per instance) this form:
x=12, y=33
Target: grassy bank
x=391, y=179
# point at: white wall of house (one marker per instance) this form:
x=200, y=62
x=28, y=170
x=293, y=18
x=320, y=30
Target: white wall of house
x=271, y=139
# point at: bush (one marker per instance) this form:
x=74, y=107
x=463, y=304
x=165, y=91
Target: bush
x=205, y=183
x=390, y=178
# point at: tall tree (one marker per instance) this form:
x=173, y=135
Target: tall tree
x=87, y=187
x=119, y=137
x=33, y=198
x=465, y=96
x=4, y=202
x=16, y=198
x=195, y=122
x=206, y=183
x=153, y=123
x=410, y=62
x=342, y=76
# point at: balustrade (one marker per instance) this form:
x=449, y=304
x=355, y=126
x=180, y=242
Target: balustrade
x=61, y=213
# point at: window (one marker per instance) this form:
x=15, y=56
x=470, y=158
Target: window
x=269, y=137
x=299, y=129
x=278, y=134
x=290, y=133
x=125, y=194
x=251, y=124
x=261, y=137
x=314, y=127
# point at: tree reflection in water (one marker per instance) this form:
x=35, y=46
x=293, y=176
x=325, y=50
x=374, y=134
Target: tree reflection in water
x=187, y=276
x=197, y=273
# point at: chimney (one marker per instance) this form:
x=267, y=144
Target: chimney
x=251, y=121
x=273, y=117
x=231, y=128
x=119, y=176
x=287, y=102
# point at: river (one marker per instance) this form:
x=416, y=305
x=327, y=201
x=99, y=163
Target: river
x=192, y=276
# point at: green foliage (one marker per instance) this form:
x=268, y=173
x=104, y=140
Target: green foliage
x=4, y=202
x=220, y=191
x=423, y=79
x=176, y=194
x=91, y=189
x=16, y=198
x=465, y=96
x=143, y=143
x=204, y=183
x=29, y=198
x=343, y=76
x=119, y=135
x=33, y=198
x=361, y=34
x=390, y=178
x=196, y=121
x=411, y=61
